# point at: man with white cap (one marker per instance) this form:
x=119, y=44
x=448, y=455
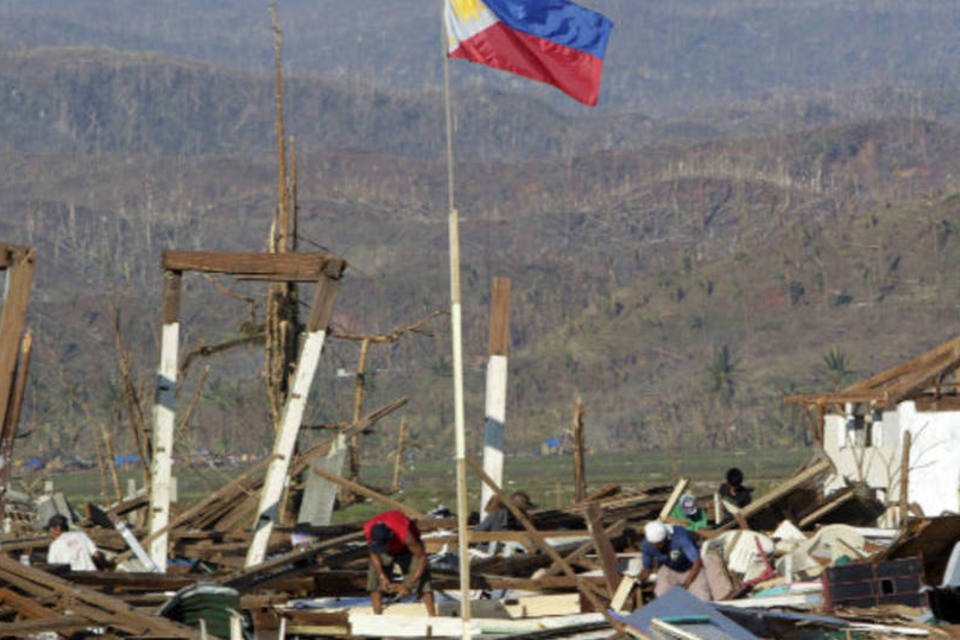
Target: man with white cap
x=672, y=551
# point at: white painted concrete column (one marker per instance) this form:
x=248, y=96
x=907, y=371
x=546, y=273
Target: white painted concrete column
x=495, y=414
x=164, y=417
x=276, y=478
x=494, y=423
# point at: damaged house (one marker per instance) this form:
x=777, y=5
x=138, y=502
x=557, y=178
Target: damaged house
x=898, y=432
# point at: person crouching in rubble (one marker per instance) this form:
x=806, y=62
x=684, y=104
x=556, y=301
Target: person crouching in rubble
x=74, y=548
x=689, y=514
x=734, y=492
x=499, y=518
x=672, y=550
x=393, y=538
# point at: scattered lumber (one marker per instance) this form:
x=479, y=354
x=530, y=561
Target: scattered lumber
x=100, y=609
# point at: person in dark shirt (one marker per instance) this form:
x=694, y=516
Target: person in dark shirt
x=393, y=538
x=499, y=518
x=672, y=551
x=732, y=491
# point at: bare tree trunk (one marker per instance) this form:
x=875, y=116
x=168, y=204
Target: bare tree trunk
x=281, y=325
x=579, y=471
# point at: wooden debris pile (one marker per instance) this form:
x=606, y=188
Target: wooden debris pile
x=587, y=551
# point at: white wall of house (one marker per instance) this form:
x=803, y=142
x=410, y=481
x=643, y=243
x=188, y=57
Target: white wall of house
x=869, y=449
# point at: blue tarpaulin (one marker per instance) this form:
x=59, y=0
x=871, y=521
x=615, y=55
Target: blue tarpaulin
x=120, y=459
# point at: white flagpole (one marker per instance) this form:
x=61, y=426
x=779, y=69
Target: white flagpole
x=456, y=336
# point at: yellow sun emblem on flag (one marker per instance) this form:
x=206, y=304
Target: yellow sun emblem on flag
x=467, y=10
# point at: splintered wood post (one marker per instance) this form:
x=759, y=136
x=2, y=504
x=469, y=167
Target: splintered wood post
x=905, y=477
x=18, y=264
x=398, y=459
x=579, y=471
x=359, y=382
x=320, y=313
x=281, y=323
x=496, y=393
x=164, y=418
x=12, y=418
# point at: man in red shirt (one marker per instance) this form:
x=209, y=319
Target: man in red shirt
x=393, y=538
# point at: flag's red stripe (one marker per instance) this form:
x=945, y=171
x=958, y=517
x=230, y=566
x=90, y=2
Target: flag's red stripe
x=573, y=72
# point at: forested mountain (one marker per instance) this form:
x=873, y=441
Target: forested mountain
x=764, y=182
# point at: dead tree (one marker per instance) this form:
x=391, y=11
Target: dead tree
x=360, y=381
x=282, y=324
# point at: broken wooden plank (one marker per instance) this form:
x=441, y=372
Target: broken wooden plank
x=619, y=600
x=608, y=557
x=820, y=512
x=20, y=268
x=671, y=502
x=370, y=493
x=12, y=418
x=250, y=575
x=779, y=491
x=279, y=267
x=101, y=609
x=585, y=548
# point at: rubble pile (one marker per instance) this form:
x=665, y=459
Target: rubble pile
x=569, y=572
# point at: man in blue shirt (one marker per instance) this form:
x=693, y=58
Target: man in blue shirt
x=672, y=551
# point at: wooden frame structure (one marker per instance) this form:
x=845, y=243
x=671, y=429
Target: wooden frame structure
x=18, y=264
x=929, y=379
x=322, y=268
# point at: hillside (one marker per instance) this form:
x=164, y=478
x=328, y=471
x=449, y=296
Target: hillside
x=629, y=271
x=664, y=56
x=681, y=258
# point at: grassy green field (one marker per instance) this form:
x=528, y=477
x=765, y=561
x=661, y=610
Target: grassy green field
x=548, y=479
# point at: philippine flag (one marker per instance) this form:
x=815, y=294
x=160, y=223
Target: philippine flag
x=553, y=41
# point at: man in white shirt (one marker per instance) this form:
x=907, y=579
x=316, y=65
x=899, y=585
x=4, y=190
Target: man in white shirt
x=74, y=548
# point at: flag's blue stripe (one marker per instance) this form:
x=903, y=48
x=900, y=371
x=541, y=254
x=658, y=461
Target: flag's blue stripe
x=559, y=21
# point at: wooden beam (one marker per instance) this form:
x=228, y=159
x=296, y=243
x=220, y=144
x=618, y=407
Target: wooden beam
x=12, y=253
x=9, y=424
x=102, y=609
x=280, y=267
x=370, y=493
x=499, y=339
x=15, y=296
x=812, y=517
x=608, y=557
x=585, y=548
x=27, y=607
x=671, y=502
x=250, y=575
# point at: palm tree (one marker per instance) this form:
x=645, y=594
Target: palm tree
x=721, y=372
x=837, y=367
